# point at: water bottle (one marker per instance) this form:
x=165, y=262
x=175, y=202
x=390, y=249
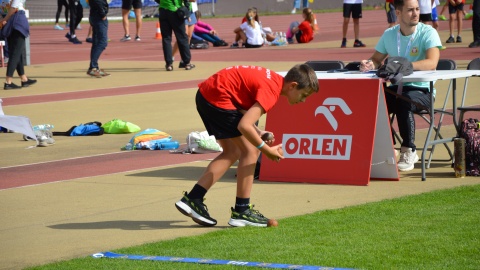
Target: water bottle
x=43, y=127
x=127, y=147
x=171, y=145
x=148, y=145
x=282, y=38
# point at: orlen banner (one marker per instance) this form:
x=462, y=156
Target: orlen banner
x=330, y=139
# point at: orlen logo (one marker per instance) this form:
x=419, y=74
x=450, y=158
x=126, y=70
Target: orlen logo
x=332, y=103
x=329, y=147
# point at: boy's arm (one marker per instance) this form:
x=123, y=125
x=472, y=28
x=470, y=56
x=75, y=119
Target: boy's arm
x=249, y=131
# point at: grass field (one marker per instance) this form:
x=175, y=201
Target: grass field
x=436, y=230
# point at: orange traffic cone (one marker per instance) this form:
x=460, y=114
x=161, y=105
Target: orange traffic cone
x=158, y=35
x=315, y=26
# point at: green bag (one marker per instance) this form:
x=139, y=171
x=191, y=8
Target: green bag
x=117, y=126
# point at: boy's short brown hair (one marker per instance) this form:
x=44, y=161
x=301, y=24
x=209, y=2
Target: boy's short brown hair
x=305, y=76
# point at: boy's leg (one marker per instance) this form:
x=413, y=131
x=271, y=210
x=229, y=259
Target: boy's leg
x=459, y=23
x=345, y=27
x=246, y=166
x=243, y=213
x=138, y=17
x=217, y=168
x=356, y=28
x=192, y=203
x=126, y=24
x=452, y=19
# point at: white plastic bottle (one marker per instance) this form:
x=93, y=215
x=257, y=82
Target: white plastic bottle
x=43, y=127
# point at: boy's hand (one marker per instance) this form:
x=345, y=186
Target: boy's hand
x=275, y=153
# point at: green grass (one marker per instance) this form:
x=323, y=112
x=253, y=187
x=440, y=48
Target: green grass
x=436, y=230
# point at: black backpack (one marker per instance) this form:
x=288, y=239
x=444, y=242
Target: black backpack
x=470, y=131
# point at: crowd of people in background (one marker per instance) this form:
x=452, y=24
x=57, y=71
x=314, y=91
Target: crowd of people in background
x=249, y=34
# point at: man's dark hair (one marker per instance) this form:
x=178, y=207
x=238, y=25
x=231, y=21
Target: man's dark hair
x=398, y=4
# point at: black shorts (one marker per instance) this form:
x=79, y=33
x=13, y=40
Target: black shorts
x=454, y=9
x=247, y=45
x=128, y=4
x=355, y=10
x=426, y=17
x=219, y=122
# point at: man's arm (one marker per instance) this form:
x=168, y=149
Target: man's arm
x=430, y=62
x=373, y=63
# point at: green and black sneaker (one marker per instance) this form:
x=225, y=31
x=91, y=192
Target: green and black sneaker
x=195, y=209
x=249, y=217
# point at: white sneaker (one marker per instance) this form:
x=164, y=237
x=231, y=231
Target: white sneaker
x=125, y=38
x=294, y=10
x=407, y=159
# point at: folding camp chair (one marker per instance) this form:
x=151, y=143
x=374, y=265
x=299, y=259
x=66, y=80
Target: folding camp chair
x=473, y=65
x=325, y=65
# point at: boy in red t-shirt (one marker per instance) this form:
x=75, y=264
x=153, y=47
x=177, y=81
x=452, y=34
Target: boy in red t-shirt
x=230, y=102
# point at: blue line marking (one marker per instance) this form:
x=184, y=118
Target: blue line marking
x=112, y=255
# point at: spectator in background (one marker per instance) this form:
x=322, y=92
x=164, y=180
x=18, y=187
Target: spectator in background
x=296, y=5
x=455, y=9
x=425, y=11
x=16, y=30
x=352, y=8
x=435, y=4
x=3, y=13
x=137, y=9
x=391, y=16
x=266, y=32
x=206, y=32
x=98, y=21
x=170, y=22
x=476, y=25
x=249, y=32
x=303, y=31
x=189, y=24
x=419, y=44
x=60, y=5
x=76, y=16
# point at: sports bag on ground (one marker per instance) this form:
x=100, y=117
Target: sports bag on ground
x=201, y=143
x=470, y=131
x=117, y=126
x=151, y=139
x=88, y=129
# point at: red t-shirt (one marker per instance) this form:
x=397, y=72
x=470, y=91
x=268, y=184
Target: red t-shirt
x=389, y=1
x=307, y=32
x=239, y=87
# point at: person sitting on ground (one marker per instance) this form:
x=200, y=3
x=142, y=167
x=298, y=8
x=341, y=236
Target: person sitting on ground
x=420, y=44
x=249, y=32
x=266, y=31
x=303, y=31
x=206, y=32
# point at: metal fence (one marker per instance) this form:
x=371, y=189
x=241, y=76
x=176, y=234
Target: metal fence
x=45, y=10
